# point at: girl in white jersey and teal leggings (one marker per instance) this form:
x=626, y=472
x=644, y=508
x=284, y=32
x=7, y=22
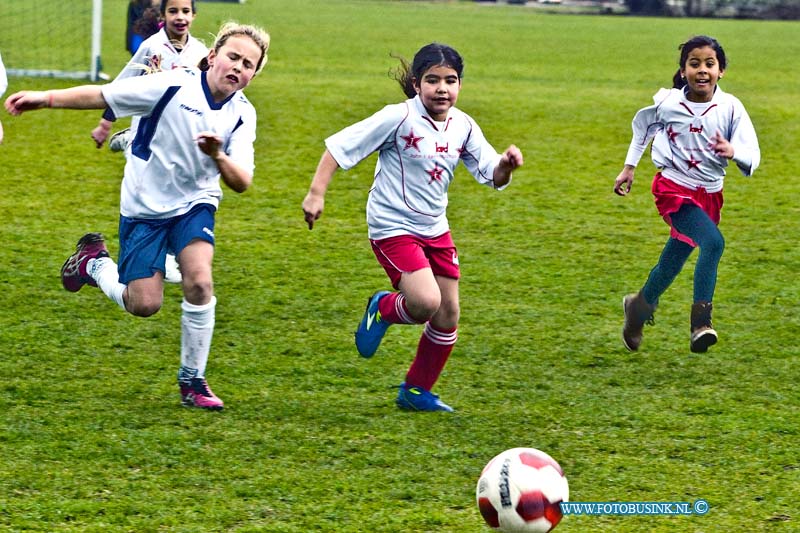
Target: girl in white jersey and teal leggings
x=195, y=127
x=696, y=129
x=420, y=141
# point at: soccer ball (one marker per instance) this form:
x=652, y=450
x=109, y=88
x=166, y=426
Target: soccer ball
x=520, y=490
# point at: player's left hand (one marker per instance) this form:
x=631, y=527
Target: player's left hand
x=209, y=143
x=722, y=147
x=512, y=158
x=313, y=204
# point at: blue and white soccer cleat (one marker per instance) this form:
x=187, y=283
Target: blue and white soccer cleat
x=372, y=328
x=418, y=399
x=119, y=141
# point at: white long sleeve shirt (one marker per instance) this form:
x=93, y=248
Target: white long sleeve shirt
x=417, y=158
x=683, y=138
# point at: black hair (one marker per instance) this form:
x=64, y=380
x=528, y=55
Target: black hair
x=699, y=41
x=163, y=8
x=147, y=24
x=431, y=55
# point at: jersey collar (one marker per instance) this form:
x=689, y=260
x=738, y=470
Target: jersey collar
x=216, y=106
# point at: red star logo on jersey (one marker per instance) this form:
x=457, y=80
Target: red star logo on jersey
x=411, y=141
x=672, y=134
x=435, y=173
x=692, y=163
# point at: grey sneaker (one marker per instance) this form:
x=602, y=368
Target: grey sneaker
x=119, y=141
x=703, y=334
x=637, y=313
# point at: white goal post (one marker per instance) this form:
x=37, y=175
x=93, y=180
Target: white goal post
x=52, y=38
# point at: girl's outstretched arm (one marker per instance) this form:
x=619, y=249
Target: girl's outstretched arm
x=510, y=160
x=314, y=202
x=81, y=97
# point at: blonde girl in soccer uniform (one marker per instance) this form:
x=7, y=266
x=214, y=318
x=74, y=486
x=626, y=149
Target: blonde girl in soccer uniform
x=696, y=129
x=196, y=126
x=420, y=142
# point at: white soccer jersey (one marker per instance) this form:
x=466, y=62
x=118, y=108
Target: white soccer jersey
x=159, y=54
x=158, y=51
x=3, y=77
x=166, y=173
x=417, y=158
x=683, y=138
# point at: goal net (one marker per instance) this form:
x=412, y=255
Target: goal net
x=53, y=38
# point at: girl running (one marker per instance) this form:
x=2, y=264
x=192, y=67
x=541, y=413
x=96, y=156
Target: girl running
x=420, y=141
x=196, y=127
x=696, y=129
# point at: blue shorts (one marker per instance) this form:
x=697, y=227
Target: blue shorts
x=144, y=243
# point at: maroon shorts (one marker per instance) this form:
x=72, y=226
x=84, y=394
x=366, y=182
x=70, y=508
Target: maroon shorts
x=670, y=196
x=409, y=253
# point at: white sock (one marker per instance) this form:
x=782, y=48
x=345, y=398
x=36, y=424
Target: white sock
x=197, y=328
x=104, y=271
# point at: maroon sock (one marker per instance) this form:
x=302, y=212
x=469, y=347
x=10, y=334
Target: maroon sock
x=393, y=310
x=433, y=351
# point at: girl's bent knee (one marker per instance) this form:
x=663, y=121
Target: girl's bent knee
x=423, y=309
x=145, y=309
x=198, y=292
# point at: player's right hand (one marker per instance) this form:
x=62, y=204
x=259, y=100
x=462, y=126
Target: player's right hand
x=623, y=183
x=23, y=101
x=313, y=205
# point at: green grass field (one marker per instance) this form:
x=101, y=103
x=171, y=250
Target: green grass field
x=92, y=437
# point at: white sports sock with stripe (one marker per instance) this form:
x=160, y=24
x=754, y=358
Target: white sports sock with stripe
x=104, y=271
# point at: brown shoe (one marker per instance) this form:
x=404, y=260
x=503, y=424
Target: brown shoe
x=703, y=334
x=637, y=313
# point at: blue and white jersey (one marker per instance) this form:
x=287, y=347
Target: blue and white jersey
x=417, y=158
x=158, y=54
x=166, y=173
x=683, y=138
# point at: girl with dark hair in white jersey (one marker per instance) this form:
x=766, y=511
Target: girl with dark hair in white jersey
x=420, y=141
x=696, y=129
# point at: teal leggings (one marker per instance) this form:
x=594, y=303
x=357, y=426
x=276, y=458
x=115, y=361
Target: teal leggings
x=693, y=222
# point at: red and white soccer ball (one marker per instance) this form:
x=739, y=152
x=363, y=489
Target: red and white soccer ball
x=520, y=490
